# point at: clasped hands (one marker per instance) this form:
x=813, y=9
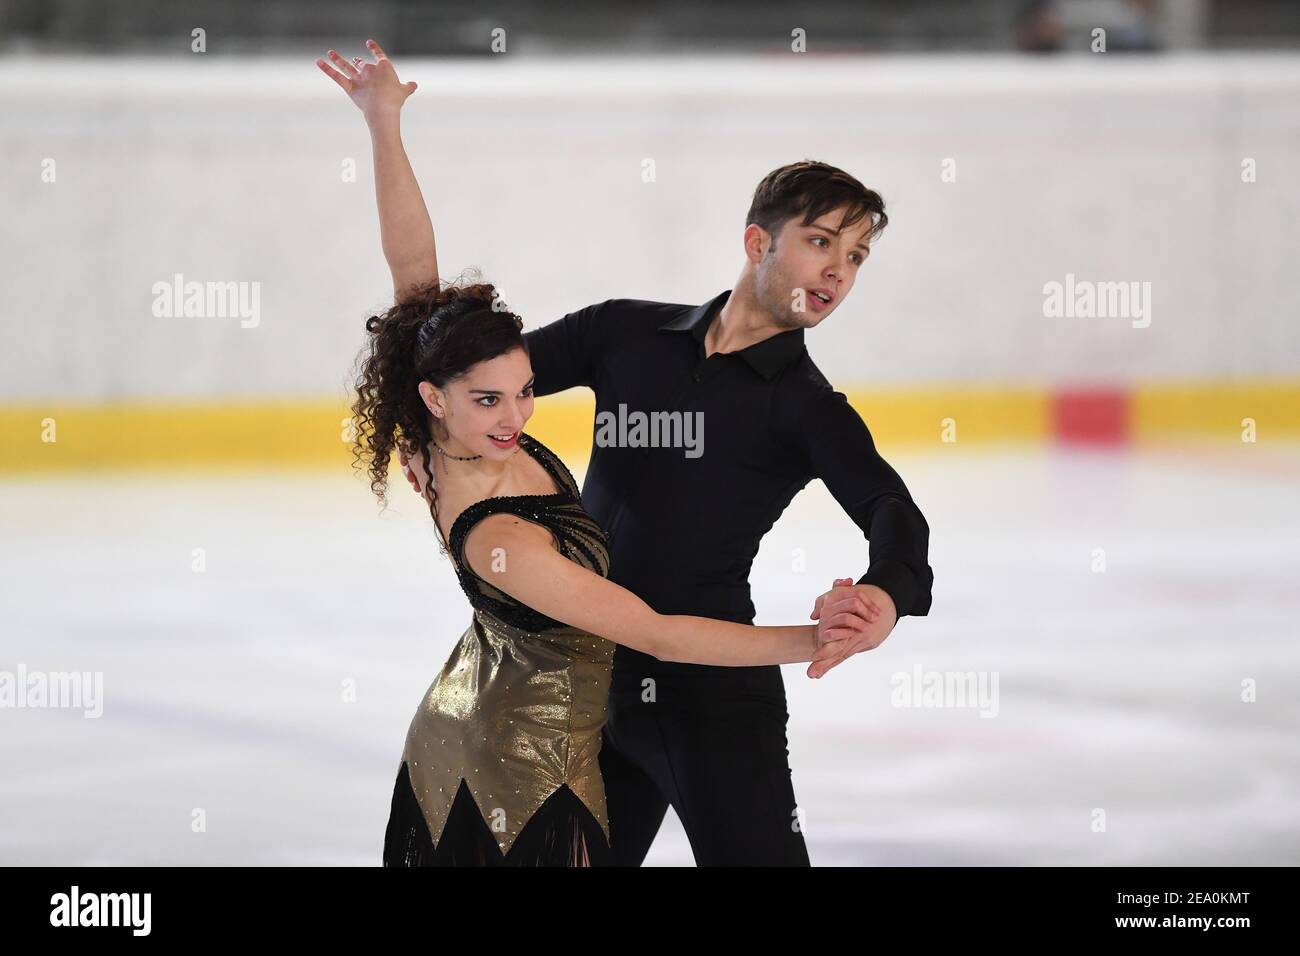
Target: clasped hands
x=850, y=618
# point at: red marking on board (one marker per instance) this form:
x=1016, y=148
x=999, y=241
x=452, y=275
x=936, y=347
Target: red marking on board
x=1092, y=416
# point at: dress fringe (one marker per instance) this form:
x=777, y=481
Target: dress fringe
x=563, y=832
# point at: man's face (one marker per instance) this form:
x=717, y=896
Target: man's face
x=806, y=260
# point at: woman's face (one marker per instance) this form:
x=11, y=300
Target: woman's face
x=486, y=408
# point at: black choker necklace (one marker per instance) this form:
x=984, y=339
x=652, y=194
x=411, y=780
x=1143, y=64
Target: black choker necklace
x=454, y=457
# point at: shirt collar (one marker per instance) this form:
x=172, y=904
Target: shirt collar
x=766, y=357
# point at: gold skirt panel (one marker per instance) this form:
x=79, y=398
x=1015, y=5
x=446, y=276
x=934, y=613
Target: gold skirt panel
x=516, y=714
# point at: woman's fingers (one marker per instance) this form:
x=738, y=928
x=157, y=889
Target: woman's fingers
x=351, y=71
x=831, y=641
x=334, y=75
x=821, y=598
x=374, y=48
x=827, y=657
x=828, y=651
x=819, y=668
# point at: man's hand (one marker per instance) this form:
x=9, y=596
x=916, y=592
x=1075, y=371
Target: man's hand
x=867, y=612
x=374, y=87
x=406, y=470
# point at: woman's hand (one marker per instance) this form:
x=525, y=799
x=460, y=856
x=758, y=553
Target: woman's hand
x=405, y=230
x=374, y=87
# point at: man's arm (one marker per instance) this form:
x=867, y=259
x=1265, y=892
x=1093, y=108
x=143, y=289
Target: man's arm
x=842, y=453
x=565, y=352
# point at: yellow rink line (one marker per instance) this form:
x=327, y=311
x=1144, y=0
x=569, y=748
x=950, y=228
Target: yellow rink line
x=1192, y=410
x=58, y=436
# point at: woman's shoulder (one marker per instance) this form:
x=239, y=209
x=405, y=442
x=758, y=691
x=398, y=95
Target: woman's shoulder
x=497, y=511
x=505, y=529
x=552, y=462
x=534, y=509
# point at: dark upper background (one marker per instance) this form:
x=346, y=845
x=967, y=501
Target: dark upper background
x=462, y=27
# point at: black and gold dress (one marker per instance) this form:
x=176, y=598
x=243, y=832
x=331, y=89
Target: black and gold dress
x=501, y=764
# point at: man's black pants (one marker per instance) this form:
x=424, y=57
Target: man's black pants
x=710, y=742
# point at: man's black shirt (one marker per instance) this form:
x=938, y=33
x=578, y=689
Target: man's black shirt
x=684, y=530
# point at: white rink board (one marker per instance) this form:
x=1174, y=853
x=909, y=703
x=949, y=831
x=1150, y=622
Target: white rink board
x=1108, y=169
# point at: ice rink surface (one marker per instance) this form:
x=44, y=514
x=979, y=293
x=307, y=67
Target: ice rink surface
x=1119, y=691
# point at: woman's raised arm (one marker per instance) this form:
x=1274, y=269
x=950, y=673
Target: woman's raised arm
x=405, y=229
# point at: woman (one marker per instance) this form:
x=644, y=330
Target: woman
x=500, y=762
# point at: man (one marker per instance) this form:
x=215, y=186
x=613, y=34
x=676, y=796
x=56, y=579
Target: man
x=684, y=528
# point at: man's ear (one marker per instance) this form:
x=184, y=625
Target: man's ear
x=757, y=242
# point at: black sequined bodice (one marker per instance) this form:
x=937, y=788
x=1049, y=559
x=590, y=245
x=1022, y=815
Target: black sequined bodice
x=579, y=537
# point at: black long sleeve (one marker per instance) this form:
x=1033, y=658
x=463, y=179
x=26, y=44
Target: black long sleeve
x=843, y=455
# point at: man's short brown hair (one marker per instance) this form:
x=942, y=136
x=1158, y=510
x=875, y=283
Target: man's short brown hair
x=811, y=189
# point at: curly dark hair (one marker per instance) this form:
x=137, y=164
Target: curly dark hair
x=434, y=333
